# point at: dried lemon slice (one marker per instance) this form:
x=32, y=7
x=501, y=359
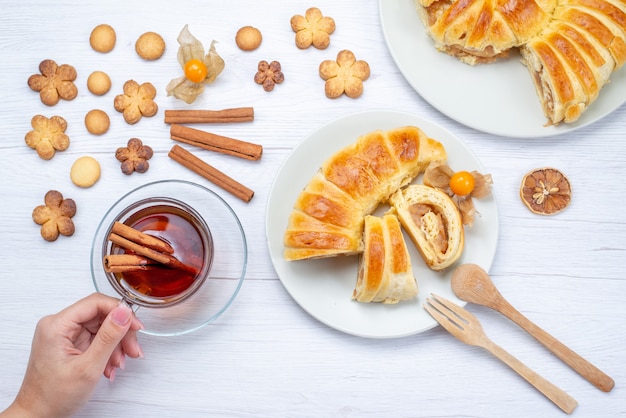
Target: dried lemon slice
x=545, y=191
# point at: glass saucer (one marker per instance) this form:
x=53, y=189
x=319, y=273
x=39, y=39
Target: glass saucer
x=230, y=255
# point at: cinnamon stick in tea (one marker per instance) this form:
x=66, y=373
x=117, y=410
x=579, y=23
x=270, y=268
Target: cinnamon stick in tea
x=195, y=164
x=122, y=263
x=187, y=116
x=157, y=256
x=214, y=142
x=141, y=238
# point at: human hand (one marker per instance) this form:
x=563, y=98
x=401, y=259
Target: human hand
x=69, y=353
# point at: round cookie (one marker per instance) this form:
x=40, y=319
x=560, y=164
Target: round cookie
x=248, y=38
x=102, y=38
x=97, y=122
x=85, y=172
x=150, y=46
x=98, y=83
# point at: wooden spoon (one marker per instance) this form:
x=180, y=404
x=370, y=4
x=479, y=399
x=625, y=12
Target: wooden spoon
x=472, y=284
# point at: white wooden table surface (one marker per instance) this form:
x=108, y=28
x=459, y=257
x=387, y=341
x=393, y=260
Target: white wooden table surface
x=266, y=356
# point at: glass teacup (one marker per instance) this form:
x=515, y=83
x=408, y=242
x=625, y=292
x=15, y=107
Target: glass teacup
x=146, y=280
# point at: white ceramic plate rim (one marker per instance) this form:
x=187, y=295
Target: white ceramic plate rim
x=496, y=98
x=323, y=288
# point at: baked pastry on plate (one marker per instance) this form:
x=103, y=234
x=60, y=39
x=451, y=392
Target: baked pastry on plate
x=433, y=222
x=327, y=217
x=480, y=31
x=385, y=271
x=571, y=47
x=575, y=55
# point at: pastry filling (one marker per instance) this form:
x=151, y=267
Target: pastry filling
x=546, y=94
x=484, y=56
x=542, y=87
x=436, y=9
x=432, y=225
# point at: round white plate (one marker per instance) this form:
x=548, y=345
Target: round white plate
x=497, y=98
x=323, y=288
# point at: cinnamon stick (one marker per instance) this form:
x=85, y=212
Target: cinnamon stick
x=187, y=116
x=122, y=263
x=195, y=164
x=214, y=142
x=141, y=238
x=162, y=258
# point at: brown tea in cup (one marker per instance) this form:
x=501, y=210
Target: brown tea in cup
x=162, y=277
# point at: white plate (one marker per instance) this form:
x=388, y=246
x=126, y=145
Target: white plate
x=323, y=288
x=497, y=98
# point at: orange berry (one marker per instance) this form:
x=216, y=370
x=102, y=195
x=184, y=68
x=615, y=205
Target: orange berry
x=195, y=70
x=462, y=183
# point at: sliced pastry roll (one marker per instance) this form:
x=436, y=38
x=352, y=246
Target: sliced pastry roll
x=575, y=55
x=327, y=217
x=385, y=273
x=433, y=222
x=480, y=31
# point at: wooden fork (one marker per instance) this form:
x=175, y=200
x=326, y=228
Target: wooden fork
x=466, y=327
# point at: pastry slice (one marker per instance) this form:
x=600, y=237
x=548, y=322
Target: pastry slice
x=385, y=273
x=575, y=55
x=433, y=222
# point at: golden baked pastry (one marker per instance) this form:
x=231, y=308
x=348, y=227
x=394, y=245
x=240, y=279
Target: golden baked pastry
x=48, y=135
x=134, y=156
x=575, y=55
x=433, y=222
x=98, y=83
x=54, y=83
x=55, y=216
x=385, y=272
x=103, y=38
x=150, y=46
x=570, y=47
x=479, y=31
x=85, y=171
x=327, y=217
x=312, y=29
x=136, y=101
x=248, y=38
x=269, y=74
x=345, y=75
x=97, y=122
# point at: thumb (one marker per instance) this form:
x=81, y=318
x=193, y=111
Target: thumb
x=111, y=332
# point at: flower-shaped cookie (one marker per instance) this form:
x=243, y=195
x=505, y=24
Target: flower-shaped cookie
x=269, y=75
x=199, y=69
x=137, y=101
x=312, y=29
x=346, y=75
x=134, y=157
x=461, y=186
x=47, y=136
x=55, y=216
x=54, y=83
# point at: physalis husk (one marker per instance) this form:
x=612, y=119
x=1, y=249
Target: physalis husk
x=189, y=86
x=459, y=187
